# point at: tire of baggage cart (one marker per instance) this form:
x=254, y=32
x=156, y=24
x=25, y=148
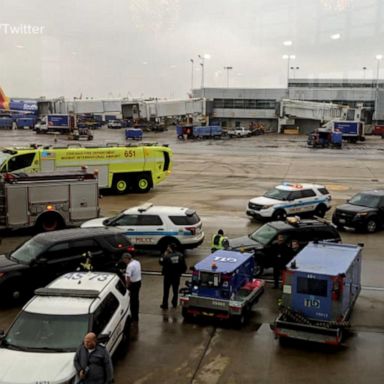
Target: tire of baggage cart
x=242, y=319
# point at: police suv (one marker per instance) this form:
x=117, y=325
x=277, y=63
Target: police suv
x=290, y=199
x=40, y=345
x=156, y=226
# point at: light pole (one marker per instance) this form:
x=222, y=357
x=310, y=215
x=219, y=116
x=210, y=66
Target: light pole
x=202, y=59
x=288, y=58
x=294, y=69
x=378, y=58
x=228, y=69
x=192, y=62
x=364, y=69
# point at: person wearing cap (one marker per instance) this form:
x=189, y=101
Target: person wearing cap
x=173, y=263
x=218, y=241
x=133, y=282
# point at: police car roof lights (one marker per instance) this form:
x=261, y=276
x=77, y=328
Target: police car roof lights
x=62, y=292
x=145, y=207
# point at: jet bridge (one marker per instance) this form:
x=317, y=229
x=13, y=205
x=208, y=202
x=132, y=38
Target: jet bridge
x=293, y=110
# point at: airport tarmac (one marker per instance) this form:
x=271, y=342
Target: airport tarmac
x=217, y=178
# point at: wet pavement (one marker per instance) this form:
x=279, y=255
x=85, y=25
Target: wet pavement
x=217, y=178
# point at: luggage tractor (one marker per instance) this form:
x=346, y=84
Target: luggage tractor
x=222, y=287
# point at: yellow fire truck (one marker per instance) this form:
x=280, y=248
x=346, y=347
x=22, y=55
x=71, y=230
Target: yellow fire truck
x=122, y=168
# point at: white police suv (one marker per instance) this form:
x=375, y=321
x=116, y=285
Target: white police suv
x=290, y=199
x=40, y=345
x=156, y=226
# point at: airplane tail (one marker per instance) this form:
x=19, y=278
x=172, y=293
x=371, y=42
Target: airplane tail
x=4, y=100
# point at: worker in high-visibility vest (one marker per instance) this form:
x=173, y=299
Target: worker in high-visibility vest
x=219, y=241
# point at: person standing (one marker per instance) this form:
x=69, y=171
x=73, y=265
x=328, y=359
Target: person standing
x=92, y=362
x=173, y=263
x=218, y=241
x=280, y=253
x=133, y=283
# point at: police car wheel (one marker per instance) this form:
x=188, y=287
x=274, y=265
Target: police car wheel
x=371, y=226
x=279, y=215
x=320, y=211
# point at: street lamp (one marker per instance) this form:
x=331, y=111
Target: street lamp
x=202, y=58
x=288, y=58
x=192, y=62
x=228, y=69
x=364, y=69
x=378, y=58
x=294, y=69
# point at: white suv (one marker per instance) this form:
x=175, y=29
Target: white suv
x=156, y=226
x=40, y=345
x=290, y=199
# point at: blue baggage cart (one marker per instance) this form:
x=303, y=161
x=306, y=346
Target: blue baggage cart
x=320, y=288
x=133, y=133
x=222, y=287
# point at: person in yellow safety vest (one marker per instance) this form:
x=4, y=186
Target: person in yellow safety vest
x=219, y=241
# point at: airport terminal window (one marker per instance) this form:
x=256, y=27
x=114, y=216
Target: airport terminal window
x=228, y=103
x=238, y=104
x=20, y=162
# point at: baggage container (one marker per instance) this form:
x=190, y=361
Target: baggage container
x=320, y=288
x=222, y=287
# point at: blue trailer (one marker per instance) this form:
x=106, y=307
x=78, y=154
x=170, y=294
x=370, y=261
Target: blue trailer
x=222, y=287
x=133, y=133
x=351, y=130
x=209, y=131
x=29, y=122
x=6, y=122
x=320, y=288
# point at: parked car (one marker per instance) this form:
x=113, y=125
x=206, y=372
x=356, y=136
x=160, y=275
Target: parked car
x=115, y=124
x=364, y=211
x=261, y=241
x=40, y=345
x=45, y=256
x=290, y=199
x=156, y=226
x=239, y=132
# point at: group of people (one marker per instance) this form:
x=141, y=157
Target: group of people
x=92, y=361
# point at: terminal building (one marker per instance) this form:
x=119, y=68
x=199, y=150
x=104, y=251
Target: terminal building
x=263, y=106
x=305, y=105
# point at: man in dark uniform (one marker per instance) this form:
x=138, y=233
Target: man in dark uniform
x=92, y=362
x=173, y=263
x=281, y=254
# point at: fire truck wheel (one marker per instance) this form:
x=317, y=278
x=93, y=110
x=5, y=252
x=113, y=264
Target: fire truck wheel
x=143, y=183
x=120, y=185
x=49, y=222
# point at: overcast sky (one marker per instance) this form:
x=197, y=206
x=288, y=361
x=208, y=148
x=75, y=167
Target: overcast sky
x=142, y=48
